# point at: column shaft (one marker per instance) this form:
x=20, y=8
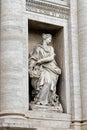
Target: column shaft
x=13, y=90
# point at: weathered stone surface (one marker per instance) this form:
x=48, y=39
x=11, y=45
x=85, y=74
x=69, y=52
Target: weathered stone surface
x=69, y=19
x=38, y=120
x=82, y=18
x=74, y=67
x=12, y=88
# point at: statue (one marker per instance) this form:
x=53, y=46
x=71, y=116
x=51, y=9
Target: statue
x=44, y=73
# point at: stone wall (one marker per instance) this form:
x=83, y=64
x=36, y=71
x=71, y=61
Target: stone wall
x=69, y=19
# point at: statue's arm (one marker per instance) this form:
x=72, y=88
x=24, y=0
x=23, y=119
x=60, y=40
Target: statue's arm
x=46, y=59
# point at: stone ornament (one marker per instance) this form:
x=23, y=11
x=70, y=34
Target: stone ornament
x=49, y=9
x=44, y=73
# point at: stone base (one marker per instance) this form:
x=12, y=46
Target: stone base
x=37, y=120
x=36, y=107
x=9, y=128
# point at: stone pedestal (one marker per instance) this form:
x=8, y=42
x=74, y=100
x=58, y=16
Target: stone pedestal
x=57, y=109
x=13, y=91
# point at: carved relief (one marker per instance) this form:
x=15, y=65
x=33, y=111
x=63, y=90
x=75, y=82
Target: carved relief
x=49, y=9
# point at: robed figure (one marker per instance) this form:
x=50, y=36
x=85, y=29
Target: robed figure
x=44, y=73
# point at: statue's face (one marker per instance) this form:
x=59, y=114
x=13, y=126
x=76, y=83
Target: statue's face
x=48, y=40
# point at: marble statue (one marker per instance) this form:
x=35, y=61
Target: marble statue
x=44, y=73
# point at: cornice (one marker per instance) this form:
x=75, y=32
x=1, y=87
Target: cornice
x=54, y=10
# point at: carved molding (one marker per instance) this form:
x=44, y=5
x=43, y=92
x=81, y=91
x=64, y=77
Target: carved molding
x=49, y=9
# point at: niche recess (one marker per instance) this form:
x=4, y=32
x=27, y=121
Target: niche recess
x=35, y=31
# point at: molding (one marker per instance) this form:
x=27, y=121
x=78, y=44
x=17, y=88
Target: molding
x=53, y=10
x=79, y=121
x=11, y=114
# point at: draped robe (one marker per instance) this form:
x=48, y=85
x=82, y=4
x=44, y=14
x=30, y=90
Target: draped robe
x=44, y=76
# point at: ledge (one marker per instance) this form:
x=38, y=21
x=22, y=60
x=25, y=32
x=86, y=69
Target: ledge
x=37, y=120
x=48, y=116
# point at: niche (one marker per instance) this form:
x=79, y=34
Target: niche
x=35, y=30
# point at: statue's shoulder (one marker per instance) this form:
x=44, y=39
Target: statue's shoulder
x=51, y=49
x=37, y=47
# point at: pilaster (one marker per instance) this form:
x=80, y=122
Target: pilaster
x=74, y=67
x=82, y=22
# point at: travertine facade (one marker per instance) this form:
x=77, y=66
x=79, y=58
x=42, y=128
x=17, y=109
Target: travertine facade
x=21, y=24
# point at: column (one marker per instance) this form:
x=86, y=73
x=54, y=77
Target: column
x=74, y=67
x=82, y=22
x=13, y=88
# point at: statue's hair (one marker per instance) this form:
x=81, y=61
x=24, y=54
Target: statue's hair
x=45, y=36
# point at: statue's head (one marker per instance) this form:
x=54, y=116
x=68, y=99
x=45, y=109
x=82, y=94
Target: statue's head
x=47, y=37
